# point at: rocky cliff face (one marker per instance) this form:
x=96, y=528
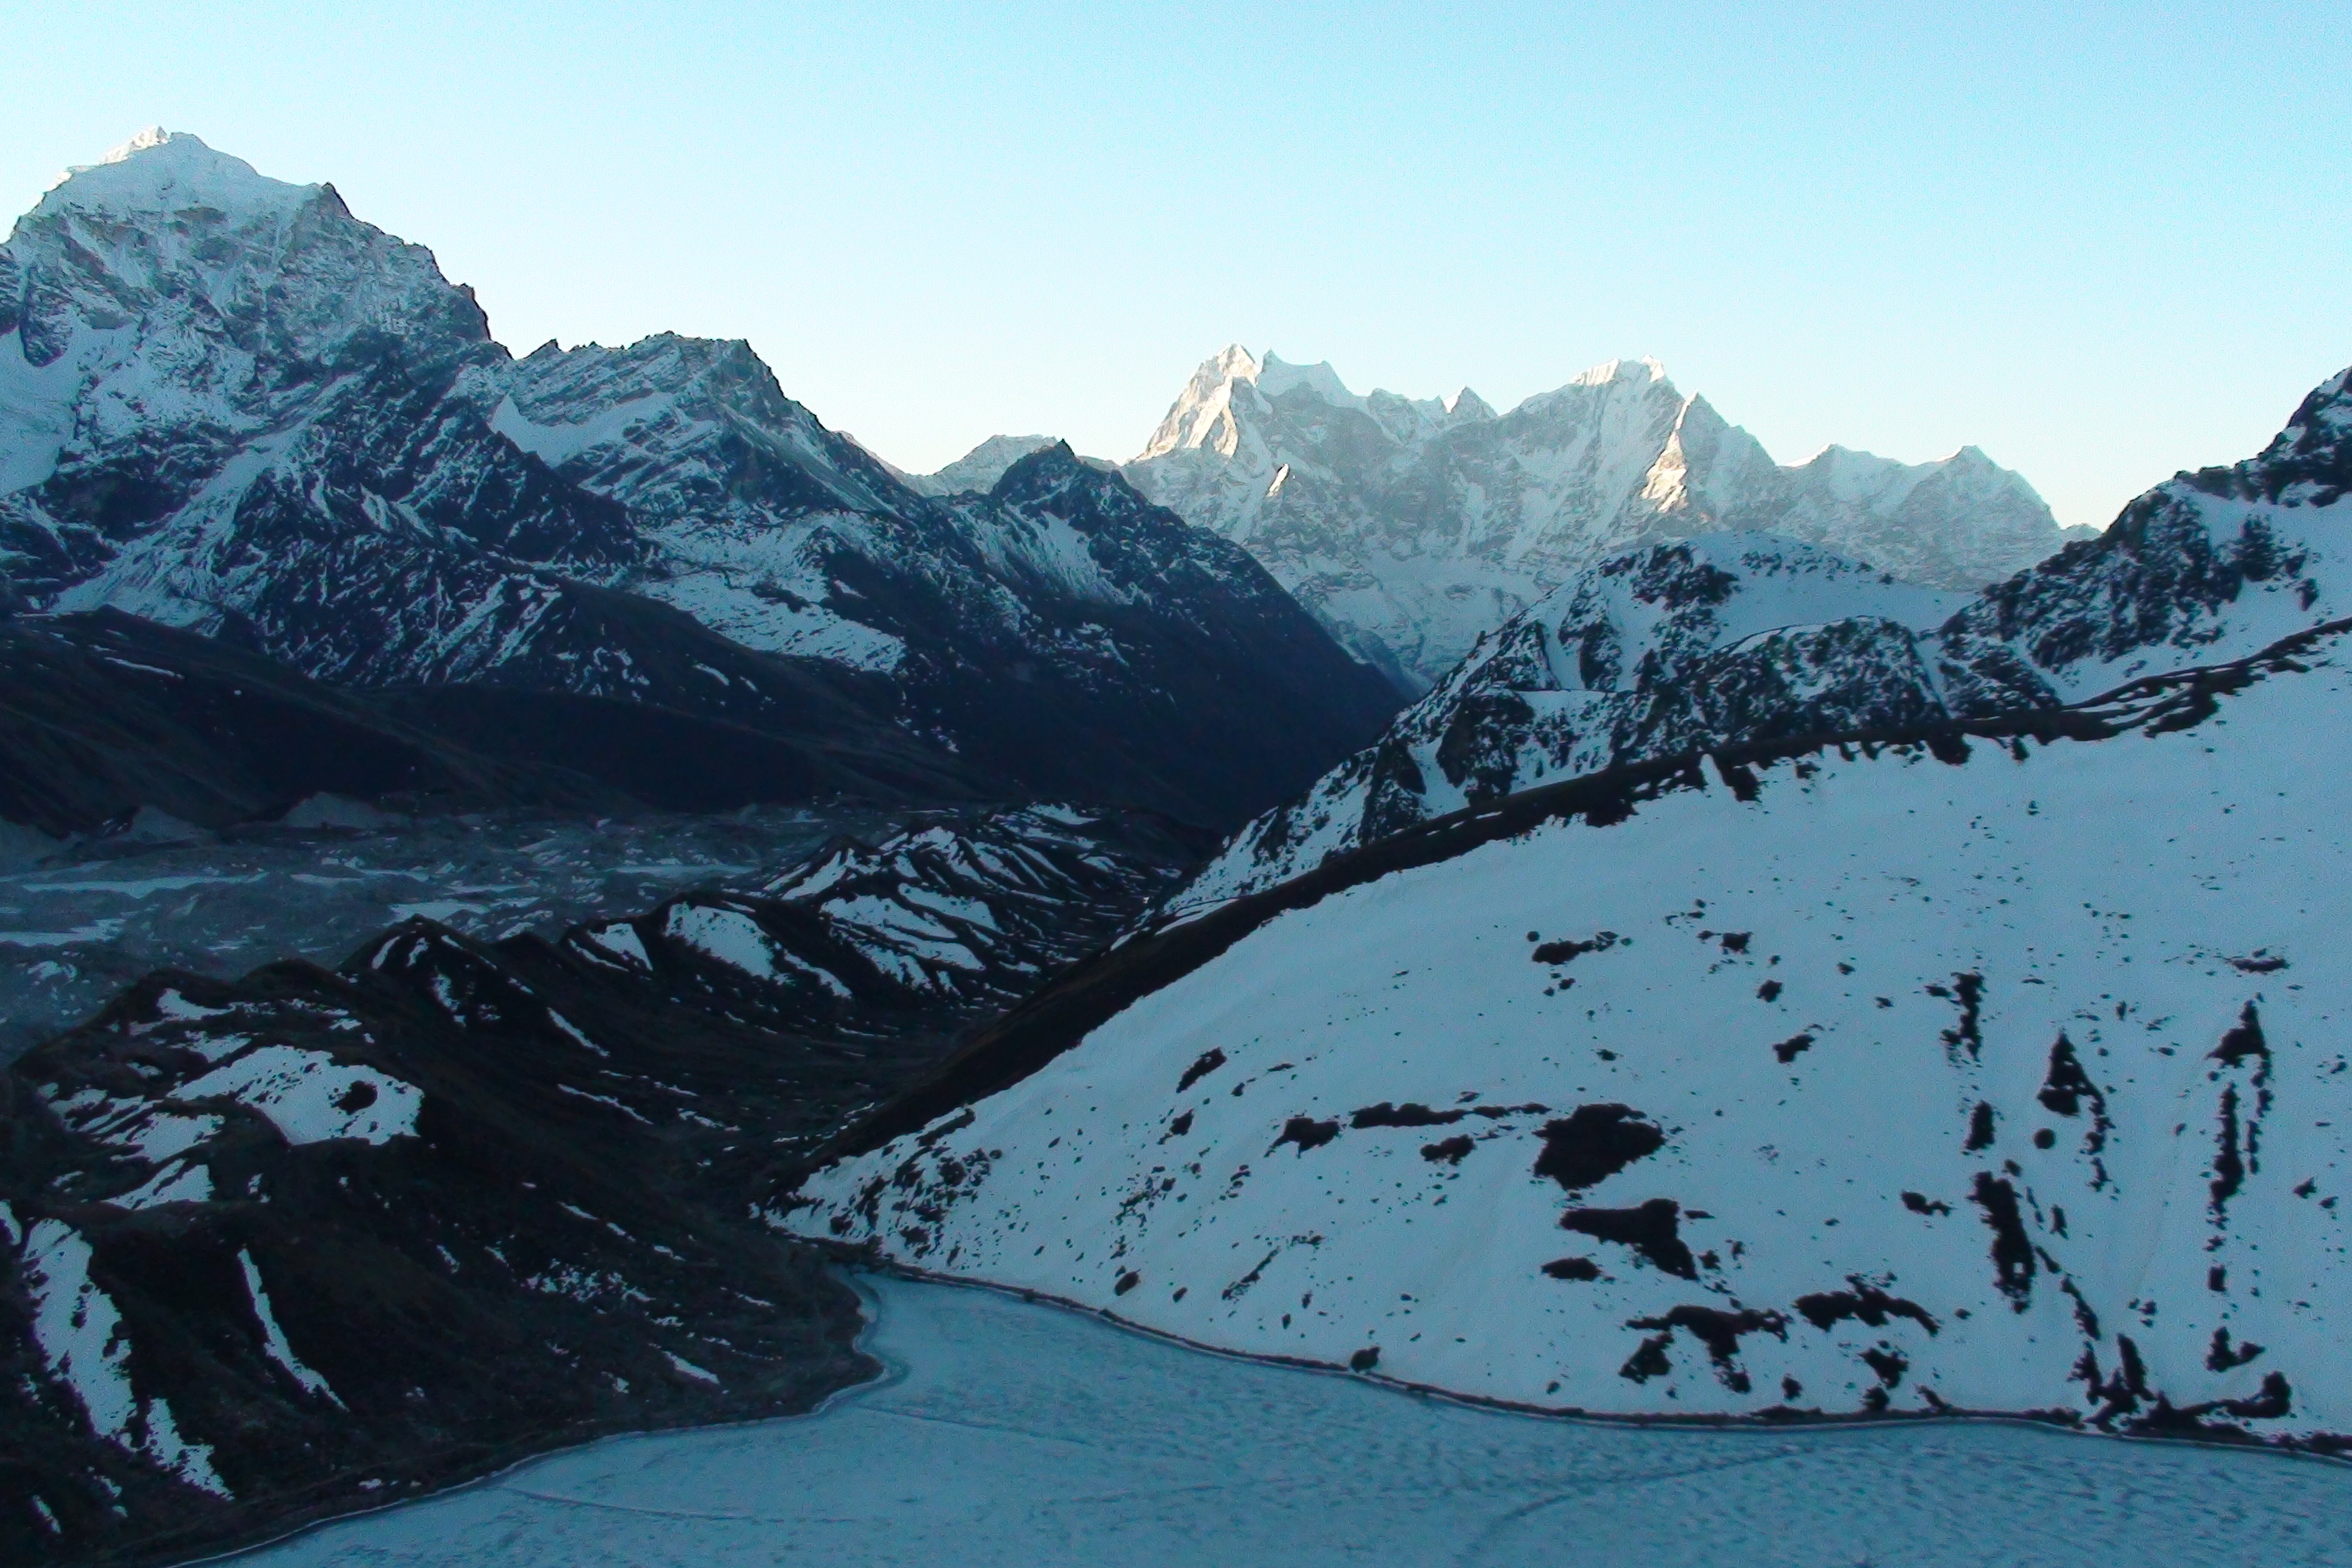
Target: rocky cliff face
x=1680, y=647
x=227, y=404
x=1411, y=527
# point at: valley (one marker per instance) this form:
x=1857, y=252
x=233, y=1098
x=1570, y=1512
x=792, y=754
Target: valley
x=554, y=901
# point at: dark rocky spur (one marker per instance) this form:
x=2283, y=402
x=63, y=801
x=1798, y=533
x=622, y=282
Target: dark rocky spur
x=317, y=1238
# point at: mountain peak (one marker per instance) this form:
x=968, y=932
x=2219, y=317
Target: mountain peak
x=1231, y=363
x=153, y=136
x=1642, y=370
x=161, y=170
x=1204, y=414
x=978, y=470
x=1055, y=458
x=1201, y=413
x=1467, y=404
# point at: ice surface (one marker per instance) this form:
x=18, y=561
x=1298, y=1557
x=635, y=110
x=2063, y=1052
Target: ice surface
x=1011, y=1434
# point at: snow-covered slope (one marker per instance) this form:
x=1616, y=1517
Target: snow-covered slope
x=2007, y=1080
x=1984, y=1055
x=1729, y=638
x=228, y=405
x=1726, y=637
x=1411, y=527
x=964, y=912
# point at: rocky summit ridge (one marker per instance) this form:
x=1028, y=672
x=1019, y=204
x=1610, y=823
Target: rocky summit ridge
x=1410, y=526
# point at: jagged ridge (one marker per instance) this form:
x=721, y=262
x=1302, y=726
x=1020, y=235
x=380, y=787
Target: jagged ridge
x=1411, y=527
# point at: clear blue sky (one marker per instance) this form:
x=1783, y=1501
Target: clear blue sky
x=2101, y=242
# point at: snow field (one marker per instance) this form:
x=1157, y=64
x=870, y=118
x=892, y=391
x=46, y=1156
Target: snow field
x=1785, y=1005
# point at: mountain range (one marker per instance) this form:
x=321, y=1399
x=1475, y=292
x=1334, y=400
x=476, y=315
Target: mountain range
x=323, y=1238
x=1751, y=637
x=1412, y=527
x=1817, y=945
x=227, y=404
x=281, y=524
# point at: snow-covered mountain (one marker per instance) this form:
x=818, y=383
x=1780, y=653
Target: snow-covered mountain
x=1983, y=1056
x=317, y=1239
x=227, y=404
x=978, y=471
x=1739, y=638
x=1672, y=647
x=1412, y=526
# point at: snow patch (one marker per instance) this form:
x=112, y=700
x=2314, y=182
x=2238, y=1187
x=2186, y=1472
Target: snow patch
x=273, y=1338
x=83, y=1339
x=310, y=1097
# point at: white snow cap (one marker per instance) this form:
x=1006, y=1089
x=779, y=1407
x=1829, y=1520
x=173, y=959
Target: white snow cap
x=170, y=171
x=1275, y=375
x=1643, y=369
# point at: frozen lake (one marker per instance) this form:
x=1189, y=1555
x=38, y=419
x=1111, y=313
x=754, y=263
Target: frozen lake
x=1012, y=1434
